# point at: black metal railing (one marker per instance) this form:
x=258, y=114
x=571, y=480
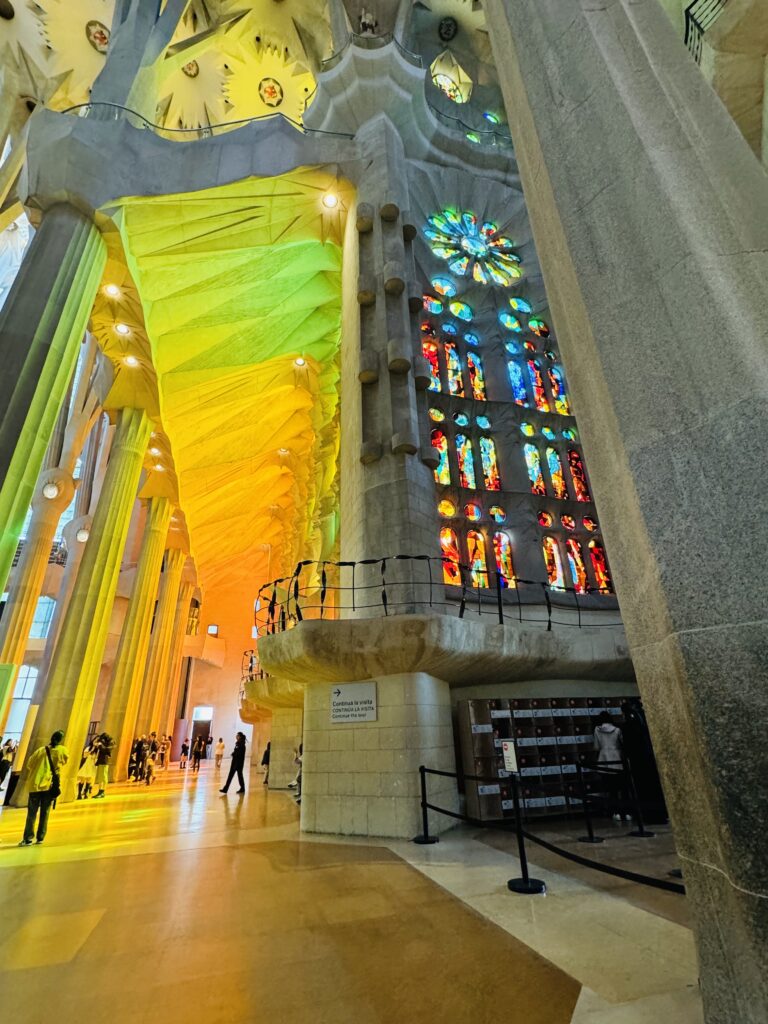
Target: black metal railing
x=371, y=42
x=250, y=669
x=700, y=15
x=404, y=584
x=56, y=556
x=483, y=136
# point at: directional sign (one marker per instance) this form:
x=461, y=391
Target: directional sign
x=353, y=702
x=510, y=755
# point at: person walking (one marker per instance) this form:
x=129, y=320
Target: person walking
x=86, y=773
x=103, y=757
x=7, y=755
x=198, y=750
x=238, y=760
x=162, y=752
x=265, y=762
x=608, y=746
x=184, y=754
x=141, y=757
x=219, y=752
x=43, y=767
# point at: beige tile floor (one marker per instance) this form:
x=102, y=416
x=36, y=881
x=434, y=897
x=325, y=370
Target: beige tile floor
x=171, y=903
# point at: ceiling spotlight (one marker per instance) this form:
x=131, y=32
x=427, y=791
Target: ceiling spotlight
x=330, y=201
x=122, y=329
x=283, y=451
x=83, y=535
x=300, y=361
x=51, y=491
x=112, y=291
x=158, y=468
x=155, y=451
x=131, y=361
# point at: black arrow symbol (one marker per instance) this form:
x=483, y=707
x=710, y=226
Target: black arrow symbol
x=337, y=692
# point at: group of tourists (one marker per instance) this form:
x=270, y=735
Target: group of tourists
x=148, y=755
x=94, y=767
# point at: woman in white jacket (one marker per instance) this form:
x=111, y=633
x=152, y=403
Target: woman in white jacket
x=608, y=746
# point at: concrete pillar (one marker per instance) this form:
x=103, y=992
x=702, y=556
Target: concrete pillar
x=27, y=581
x=285, y=737
x=41, y=325
x=77, y=659
x=156, y=680
x=122, y=704
x=167, y=720
x=650, y=215
x=363, y=778
x=340, y=30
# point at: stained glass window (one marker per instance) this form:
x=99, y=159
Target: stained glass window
x=550, y=355
x=569, y=435
x=589, y=523
x=533, y=464
x=461, y=419
x=471, y=339
x=520, y=305
x=449, y=547
x=473, y=512
x=557, y=383
x=517, y=381
x=490, y=465
x=429, y=348
x=538, y=327
x=477, y=565
x=428, y=329
x=510, y=322
x=529, y=346
x=466, y=462
x=498, y=515
x=491, y=117
x=512, y=347
x=443, y=469
x=455, y=379
x=437, y=415
x=461, y=310
x=537, y=383
x=476, y=376
x=449, y=328
x=528, y=429
x=559, y=488
x=483, y=422
x=553, y=562
x=502, y=550
x=579, y=477
x=576, y=565
x=444, y=286
x=568, y=522
x=549, y=433
x=432, y=305
x=545, y=519
x=446, y=508
x=600, y=567
x=472, y=250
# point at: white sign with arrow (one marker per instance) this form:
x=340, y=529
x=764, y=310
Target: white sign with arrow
x=353, y=702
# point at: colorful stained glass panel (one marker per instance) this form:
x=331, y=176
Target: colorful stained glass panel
x=453, y=363
x=555, y=467
x=466, y=462
x=449, y=547
x=478, y=568
x=576, y=565
x=443, y=469
x=517, y=381
x=579, y=477
x=533, y=465
x=600, y=567
x=537, y=383
x=476, y=376
x=557, y=383
x=446, y=508
x=429, y=348
x=502, y=551
x=489, y=463
x=553, y=563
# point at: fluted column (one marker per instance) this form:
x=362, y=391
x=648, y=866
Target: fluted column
x=77, y=659
x=156, y=679
x=28, y=578
x=41, y=325
x=122, y=706
x=167, y=713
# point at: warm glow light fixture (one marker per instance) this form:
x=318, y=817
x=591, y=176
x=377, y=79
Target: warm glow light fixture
x=283, y=451
x=131, y=361
x=122, y=329
x=330, y=201
x=82, y=535
x=158, y=468
x=300, y=361
x=112, y=291
x=51, y=491
x=156, y=451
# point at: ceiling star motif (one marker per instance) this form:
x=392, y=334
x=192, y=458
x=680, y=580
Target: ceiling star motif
x=78, y=36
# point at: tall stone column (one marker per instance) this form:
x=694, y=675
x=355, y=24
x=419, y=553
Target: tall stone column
x=122, y=706
x=167, y=720
x=650, y=215
x=156, y=680
x=28, y=578
x=41, y=325
x=78, y=656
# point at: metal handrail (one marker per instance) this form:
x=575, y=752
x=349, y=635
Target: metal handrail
x=374, y=42
x=700, y=15
x=314, y=591
x=498, y=138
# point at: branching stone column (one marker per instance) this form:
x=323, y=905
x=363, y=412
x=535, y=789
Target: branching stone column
x=650, y=214
x=156, y=680
x=78, y=656
x=41, y=325
x=167, y=720
x=122, y=705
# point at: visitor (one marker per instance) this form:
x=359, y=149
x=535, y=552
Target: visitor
x=163, y=750
x=86, y=773
x=297, y=764
x=299, y=760
x=153, y=745
x=607, y=738
x=43, y=768
x=198, y=750
x=141, y=757
x=169, y=751
x=7, y=755
x=238, y=760
x=149, y=768
x=184, y=754
x=219, y=752
x=103, y=757
x=208, y=745
x=265, y=762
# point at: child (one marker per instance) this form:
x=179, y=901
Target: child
x=184, y=754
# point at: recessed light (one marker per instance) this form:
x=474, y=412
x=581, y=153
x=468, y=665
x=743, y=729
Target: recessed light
x=51, y=491
x=283, y=451
x=131, y=361
x=112, y=291
x=158, y=468
x=300, y=361
x=122, y=329
x=83, y=535
x=155, y=451
x=330, y=201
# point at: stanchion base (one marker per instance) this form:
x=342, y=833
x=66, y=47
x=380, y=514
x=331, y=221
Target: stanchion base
x=591, y=839
x=675, y=873
x=637, y=834
x=425, y=840
x=532, y=887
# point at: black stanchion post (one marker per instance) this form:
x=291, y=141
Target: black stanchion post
x=641, y=832
x=527, y=885
x=425, y=839
x=590, y=837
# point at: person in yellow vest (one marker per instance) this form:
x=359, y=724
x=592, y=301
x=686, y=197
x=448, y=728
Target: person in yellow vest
x=43, y=769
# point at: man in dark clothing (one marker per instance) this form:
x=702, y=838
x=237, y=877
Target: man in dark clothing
x=104, y=745
x=141, y=757
x=238, y=760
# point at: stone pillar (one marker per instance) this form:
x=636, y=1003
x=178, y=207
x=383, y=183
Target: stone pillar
x=77, y=659
x=340, y=30
x=650, y=215
x=363, y=778
x=122, y=704
x=156, y=680
x=167, y=721
x=41, y=325
x=285, y=737
x=27, y=580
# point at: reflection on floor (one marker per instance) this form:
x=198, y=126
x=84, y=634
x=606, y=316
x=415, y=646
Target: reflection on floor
x=173, y=903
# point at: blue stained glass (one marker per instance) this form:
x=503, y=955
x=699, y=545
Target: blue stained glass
x=520, y=305
x=512, y=347
x=448, y=328
x=483, y=422
x=517, y=380
x=509, y=321
x=461, y=419
x=471, y=339
x=444, y=286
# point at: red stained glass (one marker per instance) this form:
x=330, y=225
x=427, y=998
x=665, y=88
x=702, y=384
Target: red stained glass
x=537, y=383
x=579, y=477
x=600, y=567
x=429, y=348
x=449, y=546
x=477, y=565
x=576, y=565
x=502, y=551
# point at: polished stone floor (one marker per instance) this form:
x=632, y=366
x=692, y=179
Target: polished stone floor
x=172, y=903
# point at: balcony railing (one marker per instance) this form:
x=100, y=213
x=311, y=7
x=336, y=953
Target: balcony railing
x=57, y=555
x=407, y=584
x=700, y=15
